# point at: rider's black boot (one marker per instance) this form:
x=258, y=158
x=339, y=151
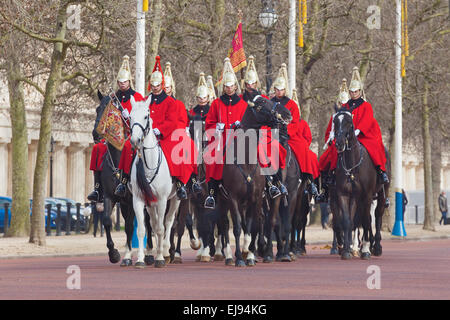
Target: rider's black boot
x=122, y=187
x=383, y=176
x=210, y=201
x=181, y=190
x=97, y=194
x=196, y=187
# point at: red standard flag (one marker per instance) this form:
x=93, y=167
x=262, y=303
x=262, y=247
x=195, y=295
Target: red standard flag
x=236, y=52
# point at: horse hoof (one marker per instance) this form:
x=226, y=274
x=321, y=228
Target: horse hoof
x=167, y=259
x=177, y=260
x=377, y=251
x=286, y=258
x=346, y=256
x=114, y=256
x=149, y=260
x=139, y=265
x=268, y=259
x=205, y=259
x=356, y=253
x=229, y=262
x=160, y=263
x=126, y=263
x=334, y=251
x=240, y=263
x=244, y=255
x=197, y=258
x=251, y=262
x=195, y=244
x=365, y=256
x=292, y=255
x=219, y=257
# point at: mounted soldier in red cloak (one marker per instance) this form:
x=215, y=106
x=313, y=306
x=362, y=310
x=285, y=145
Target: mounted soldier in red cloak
x=293, y=131
x=367, y=130
x=123, y=94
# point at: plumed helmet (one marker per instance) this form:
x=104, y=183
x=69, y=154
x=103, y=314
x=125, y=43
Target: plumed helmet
x=156, y=78
x=295, y=98
x=211, y=89
x=343, y=93
x=124, y=71
x=202, y=88
x=168, y=78
x=228, y=77
x=282, y=82
x=356, y=82
x=251, y=75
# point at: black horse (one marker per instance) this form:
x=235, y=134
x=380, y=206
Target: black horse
x=356, y=184
x=243, y=180
x=109, y=180
x=280, y=214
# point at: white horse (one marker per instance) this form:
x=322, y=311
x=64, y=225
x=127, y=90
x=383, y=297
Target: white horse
x=151, y=184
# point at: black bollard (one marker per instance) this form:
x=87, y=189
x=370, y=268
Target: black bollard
x=77, y=226
x=48, y=206
x=68, y=218
x=417, y=214
x=6, y=218
x=58, y=219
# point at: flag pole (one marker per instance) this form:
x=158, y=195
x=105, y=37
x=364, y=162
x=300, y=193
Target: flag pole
x=140, y=45
x=399, y=227
x=292, y=45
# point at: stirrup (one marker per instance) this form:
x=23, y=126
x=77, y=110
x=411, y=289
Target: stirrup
x=196, y=188
x=314, y=191
x=210, y=203
x=181, y=192
x=274, y=192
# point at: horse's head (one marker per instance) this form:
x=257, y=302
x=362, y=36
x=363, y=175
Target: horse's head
x=343, y=129
x=104, y=100
x=269, y=113
x=140, y=121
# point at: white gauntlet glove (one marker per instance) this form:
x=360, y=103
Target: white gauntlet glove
x=220, y=127
x=125, y=114
x=357, y=131
x=156, y=132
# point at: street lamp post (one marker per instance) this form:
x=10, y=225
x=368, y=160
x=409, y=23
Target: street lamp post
x=52, y=143
x=268, y=18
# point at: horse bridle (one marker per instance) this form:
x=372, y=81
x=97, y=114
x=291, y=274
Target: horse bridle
x=146, y=131
x=278, y=118
x=348, y=171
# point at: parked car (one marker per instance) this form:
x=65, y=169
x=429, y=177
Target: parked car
x=73, y=212
x=4, y=200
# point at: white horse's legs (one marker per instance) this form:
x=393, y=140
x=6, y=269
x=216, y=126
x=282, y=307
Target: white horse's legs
x=138, y=205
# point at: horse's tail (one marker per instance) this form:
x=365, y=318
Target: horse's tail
x=143, y=183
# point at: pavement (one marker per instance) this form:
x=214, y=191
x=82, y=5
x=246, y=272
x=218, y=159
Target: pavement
x=87, y=244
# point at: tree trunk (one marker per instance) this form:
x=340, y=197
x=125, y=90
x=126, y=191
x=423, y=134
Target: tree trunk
x=428, y=223
x=436, y=166
x=37, y=235
x=20, y=211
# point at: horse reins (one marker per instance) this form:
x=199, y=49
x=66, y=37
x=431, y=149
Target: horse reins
x=146, y=130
